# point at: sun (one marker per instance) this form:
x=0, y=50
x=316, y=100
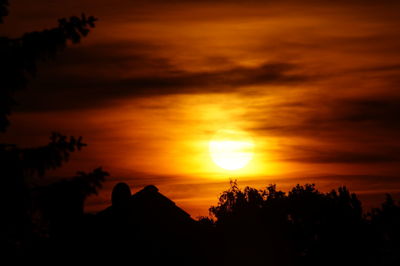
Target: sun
x=231, y=149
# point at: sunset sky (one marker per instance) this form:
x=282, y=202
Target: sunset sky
x=314, y=85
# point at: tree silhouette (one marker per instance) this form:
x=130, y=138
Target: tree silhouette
x=386, y=224
x=19, y=56
x=19, y=166
x=302, y=227
x=3, y=9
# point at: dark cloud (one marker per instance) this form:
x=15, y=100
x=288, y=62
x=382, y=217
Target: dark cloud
x=338, y=131
x=379, y=113
x=92, y=76
x=334, y=118
x=382, y=68
x=320, y=154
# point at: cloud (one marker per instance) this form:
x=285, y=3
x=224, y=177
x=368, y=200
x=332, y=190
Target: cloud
x=333, y=117
x=320, y=154
x=348, y=130
x=382, y=68
x=92, y=76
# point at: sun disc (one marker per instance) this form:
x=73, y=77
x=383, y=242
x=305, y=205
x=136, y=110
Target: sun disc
x=231, y=149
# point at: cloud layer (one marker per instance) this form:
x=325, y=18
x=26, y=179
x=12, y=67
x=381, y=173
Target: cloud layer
x=315, y=83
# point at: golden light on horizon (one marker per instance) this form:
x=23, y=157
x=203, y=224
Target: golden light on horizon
x=231, y=149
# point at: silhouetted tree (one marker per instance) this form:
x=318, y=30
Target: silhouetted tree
x=19, y=56
x=386, y=223
x=302, y=227
x=3, y=9
x=61, y=203
x=19, y=167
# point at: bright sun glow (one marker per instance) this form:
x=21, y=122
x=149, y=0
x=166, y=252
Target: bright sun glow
x=231, y=149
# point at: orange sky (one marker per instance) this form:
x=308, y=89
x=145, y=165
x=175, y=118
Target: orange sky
x=315, y=85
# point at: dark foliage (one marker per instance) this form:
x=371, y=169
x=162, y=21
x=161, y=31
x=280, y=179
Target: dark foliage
x=3, y=9
x=19, y=56
x=28, y=212
x=305, y=227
